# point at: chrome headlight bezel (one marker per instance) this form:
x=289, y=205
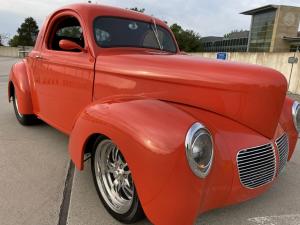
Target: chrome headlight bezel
x=295, y=111
x=194, y=133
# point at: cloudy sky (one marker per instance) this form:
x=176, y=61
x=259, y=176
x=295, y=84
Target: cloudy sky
x=207, y=17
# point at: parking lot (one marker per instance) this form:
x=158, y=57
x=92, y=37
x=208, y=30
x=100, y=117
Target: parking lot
x=34, y=164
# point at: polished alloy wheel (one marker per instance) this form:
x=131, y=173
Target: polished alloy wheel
x=17, y=107
x=113, y=177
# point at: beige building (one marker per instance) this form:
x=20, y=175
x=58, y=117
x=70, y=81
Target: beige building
x=274, y=28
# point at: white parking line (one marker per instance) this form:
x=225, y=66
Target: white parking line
x=292, y=219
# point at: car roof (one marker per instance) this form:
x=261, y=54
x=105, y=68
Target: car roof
x=91, y=11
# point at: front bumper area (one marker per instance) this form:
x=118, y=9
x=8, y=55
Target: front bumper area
x=190, y=196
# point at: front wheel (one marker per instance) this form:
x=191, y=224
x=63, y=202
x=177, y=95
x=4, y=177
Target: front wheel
x=114, y=184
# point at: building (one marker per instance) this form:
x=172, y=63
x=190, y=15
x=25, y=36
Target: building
x=274, y=28
x=233, y=42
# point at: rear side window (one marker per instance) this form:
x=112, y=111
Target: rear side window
x=112, y=32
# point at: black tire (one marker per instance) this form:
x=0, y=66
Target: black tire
x=25, y=120
x=135, y=212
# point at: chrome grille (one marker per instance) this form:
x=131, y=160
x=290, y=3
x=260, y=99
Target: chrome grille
x=282, y=144
x=256, y=166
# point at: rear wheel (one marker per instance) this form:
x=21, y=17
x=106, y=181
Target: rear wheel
x=25, y=120
x=114, y=184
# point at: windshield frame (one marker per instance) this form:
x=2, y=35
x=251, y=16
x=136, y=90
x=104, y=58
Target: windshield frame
x=135, y=46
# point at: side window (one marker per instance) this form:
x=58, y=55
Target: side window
x=67, y=28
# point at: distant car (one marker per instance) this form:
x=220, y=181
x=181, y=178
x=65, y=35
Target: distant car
x=170, y=135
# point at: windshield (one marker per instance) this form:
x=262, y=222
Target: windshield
x=112, y=32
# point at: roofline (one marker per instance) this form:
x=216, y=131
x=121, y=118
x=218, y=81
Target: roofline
x=260, y=9
x=91, y=6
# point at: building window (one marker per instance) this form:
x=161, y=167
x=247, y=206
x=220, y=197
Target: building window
x=262, y=31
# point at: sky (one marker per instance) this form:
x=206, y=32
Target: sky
x=206, y=17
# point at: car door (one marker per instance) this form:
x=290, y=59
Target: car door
x=63, y=79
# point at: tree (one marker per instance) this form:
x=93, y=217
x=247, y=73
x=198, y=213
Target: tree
x=27, y=34
x=1, y=41
x=188, y=40
x=233, y=32
x=142, y=10
x=74, y=31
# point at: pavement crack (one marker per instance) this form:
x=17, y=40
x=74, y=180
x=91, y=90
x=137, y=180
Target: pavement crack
x=64, y=207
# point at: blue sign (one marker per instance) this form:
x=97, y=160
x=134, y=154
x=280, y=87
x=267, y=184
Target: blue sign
x=222, y=55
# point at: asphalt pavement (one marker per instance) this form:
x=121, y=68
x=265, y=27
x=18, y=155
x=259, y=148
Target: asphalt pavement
x=38, y=186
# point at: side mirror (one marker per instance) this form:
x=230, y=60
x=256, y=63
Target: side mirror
x=70, y=45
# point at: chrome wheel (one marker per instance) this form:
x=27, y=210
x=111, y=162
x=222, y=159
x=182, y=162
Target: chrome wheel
x=17, y=107
x=113, y=177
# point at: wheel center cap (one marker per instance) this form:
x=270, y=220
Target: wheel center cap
x=119, y=171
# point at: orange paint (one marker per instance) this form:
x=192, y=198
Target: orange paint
x=145, y=100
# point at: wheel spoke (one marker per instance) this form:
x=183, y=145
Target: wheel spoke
x=110, y=167
x=115, y=185
x=127, y=191
x=127, y=172
x=115, y=152
x=127, y=183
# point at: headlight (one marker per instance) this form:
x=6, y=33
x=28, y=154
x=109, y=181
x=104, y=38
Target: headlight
x=296, y=115
x=199, y=149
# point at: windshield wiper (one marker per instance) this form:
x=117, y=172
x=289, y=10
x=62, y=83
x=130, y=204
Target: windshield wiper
x=155, y=31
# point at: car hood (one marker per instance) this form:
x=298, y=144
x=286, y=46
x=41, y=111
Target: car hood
x=251, y=95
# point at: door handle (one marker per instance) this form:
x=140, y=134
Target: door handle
x=38, y=57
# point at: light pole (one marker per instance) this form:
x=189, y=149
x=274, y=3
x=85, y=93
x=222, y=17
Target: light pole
x=294, y=59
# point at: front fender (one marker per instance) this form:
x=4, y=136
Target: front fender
x=286, y=121
x=150, y=134
x=19, y=79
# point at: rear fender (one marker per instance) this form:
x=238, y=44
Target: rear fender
x=19, y=79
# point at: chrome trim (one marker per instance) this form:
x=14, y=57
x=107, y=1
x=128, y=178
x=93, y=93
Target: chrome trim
x=282, y=144
x=266, y=163
x=295, y=109
x=190, y=137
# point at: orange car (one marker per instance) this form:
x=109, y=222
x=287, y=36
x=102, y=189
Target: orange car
x=171, y=135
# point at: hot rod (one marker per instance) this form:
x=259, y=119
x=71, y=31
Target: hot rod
x=170, y=135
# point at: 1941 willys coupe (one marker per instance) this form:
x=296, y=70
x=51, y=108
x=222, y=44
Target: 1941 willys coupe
x=170, y=135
